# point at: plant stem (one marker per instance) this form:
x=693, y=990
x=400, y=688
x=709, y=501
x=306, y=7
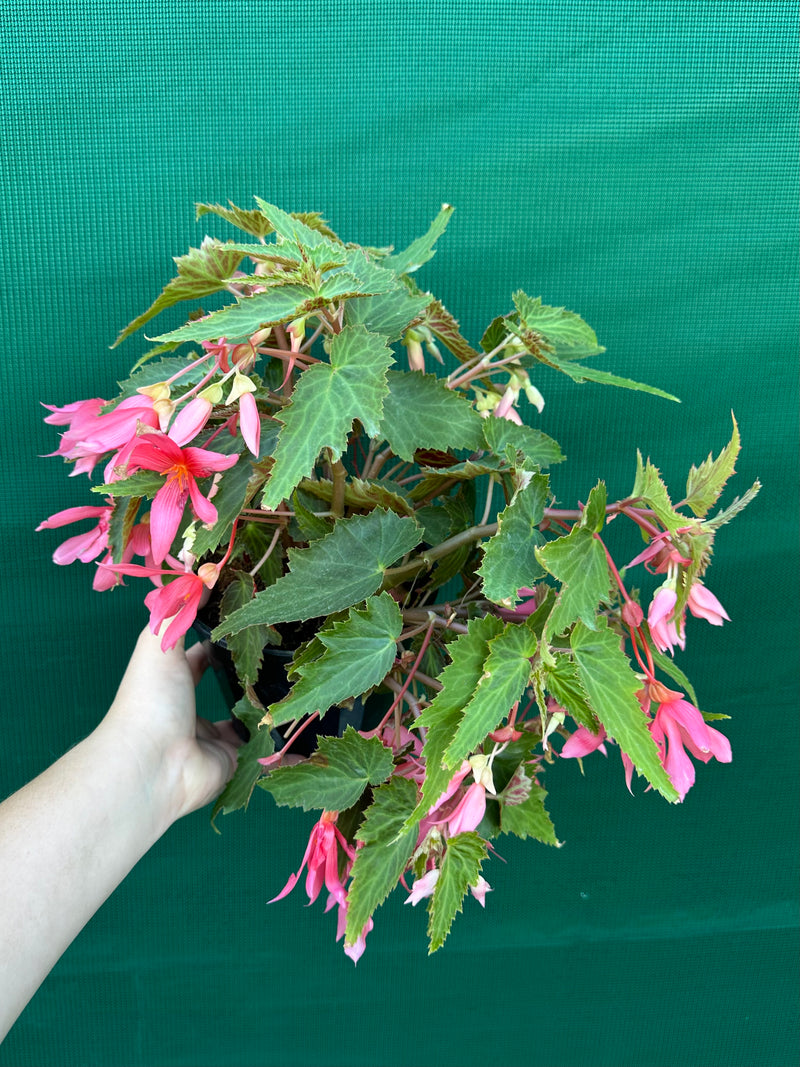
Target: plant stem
x=338, y=477
x=396, y=575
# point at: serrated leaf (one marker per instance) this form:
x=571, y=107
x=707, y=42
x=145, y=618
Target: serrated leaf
x=360, y=494
x=509, y=559
x=325, y=402
x=593, y=516
x=557, y=325
x=530, y=818
x=240, y=788
x=143, y=483
x=389, y=314
x=733, y=509
x=312, y=526
x=358, y=654
x=440, y=719
x=579, y=373
x=421, y=412
x=238, y=321
x=651, y=491
x=305, y=229
x=123, y=518
x=579, y=563
x=461, y=868
x=420, y=250
x=247, y=647
x=360, y=276
x=706, y=482
x=333, y=573
x=563, y=684
x=535, y=446
x=445, y=328
x=335, y=776
x=506, y=673
x=385, y=852
x=201, y=271
x=606, y=675
x=250, y=220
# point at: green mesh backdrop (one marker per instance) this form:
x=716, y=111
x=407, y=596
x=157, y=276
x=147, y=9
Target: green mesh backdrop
x=632, y=160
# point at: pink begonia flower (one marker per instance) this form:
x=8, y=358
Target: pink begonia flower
x=583, y=741
x=678, y=723
x=250, y=422
x=664, y=630
x=480, y=890
x=86, y=546
x=356, y=950
x=423, y=887
x=190, y=420
x=178, y=600
x=704, y=605
x=662, y=550
x=183, y=466
x=469, y=811
x=322, y=860
x=138, y=544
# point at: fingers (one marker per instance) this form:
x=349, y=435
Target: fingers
x=197, y=658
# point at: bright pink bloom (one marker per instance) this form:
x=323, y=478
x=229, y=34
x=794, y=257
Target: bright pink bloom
x=678, y=723
x=664, y=630
x=86, y=546
x=322, y=859
x=453, y=785
x=662, y=551
x=469, y=811
x=704, y=605
x=250, y=422
x=190, y=420
x=356, y=950
x=178, y=600
x=183, y=466
x=480, y=889
x=583, y=741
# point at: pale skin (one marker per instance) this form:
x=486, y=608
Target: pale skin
x=70, y=836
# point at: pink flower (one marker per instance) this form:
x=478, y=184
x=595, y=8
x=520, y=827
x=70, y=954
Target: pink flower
x=469, y=811
x=86, y=546
x=664, y=630
x=704, y=605
x=190, y=420
x=183, y=466
x=678, y=723
x=250, y=422
x=480, y=889
x=423, y=887
x=178, y=600
x=583, y=741
x=322, y=860
x=356, y=950
x=661, y=552
x=529, y=604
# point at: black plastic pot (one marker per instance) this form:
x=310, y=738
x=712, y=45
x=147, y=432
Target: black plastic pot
x=271, y=686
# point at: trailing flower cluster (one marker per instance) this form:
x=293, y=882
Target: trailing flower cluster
x=300, y=478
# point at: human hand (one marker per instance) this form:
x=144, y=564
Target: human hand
x=185, y=759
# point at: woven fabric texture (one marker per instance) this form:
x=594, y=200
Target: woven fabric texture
x=634, y=161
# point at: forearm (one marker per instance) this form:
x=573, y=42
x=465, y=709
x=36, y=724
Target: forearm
x=67, y=839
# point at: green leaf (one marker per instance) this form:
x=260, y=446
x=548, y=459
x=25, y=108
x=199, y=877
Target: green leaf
x=579, y=562
x=653, y=493
x=421, y=250
x=668, y=665
x=563, y=684
x=201, y=271
x=509, y=559
x=579, y=373
x=606, y=675
x=560, y=327
x=247, y=647
x=335, y=776
x=461, y=868
x=706, y=482
x=240, y=788
x=421, y=412
x=249, y=220
x=325, y=402
x=238, y=321
x=530, y=818
x=143, y=483
x=593, y=516
x=506, y=674
x=333, y=573
x=359, y=277
x=446, y=329
x=123, y=518
x=385, y=852
x=305, y=229
x=440, y=719
x=312, y=526
x=535, y=446
x=359, y=652
x=389, y=314
x=733, y=509
x=154, y=372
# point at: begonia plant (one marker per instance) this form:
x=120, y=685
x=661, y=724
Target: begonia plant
x=324, y=465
